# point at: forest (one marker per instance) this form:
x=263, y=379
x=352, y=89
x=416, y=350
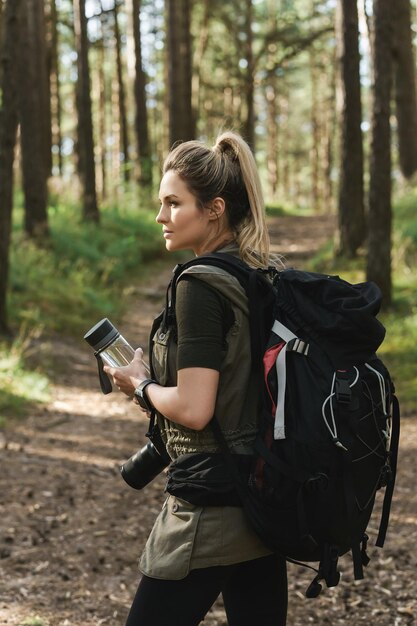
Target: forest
x=93, y=93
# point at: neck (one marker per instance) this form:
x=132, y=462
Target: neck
x=214, y=246
x=215, y=243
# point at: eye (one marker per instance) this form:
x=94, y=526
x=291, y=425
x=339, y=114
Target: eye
x=168, y=202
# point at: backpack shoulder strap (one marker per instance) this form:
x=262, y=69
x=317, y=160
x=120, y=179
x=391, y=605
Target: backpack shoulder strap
x=259, y=291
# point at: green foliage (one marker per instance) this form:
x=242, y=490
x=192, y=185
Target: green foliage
x=80, y=273
x=405, y=235
x=282, y=208
x=275, y=210
x=19, y=387
x=399, y=352
x=77, y=277
x=399, y=348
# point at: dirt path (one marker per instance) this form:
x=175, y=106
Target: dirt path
x=71, y=531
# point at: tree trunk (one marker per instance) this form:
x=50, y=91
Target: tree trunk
x=122, y=98
x=56, y=107
x=144, y=151
x=201, y=47
x=249, y=86
x=32, y=89
x=100, y=88
x=8, y=129
x=181, y=117
x=328, y=140
x=380, y=214
x=351, y=191
x=45, y=34
x=86, y=165
x=272, y=149
x=115, y=132
x=1, y=33
x=315, y=134
x=286, y=173
x=405, y=87
x=272, y=109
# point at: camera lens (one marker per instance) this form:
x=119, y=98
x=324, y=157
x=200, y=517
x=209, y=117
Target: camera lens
x=143, y=466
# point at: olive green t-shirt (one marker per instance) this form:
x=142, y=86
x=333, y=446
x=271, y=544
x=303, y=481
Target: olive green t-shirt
x=204, y=317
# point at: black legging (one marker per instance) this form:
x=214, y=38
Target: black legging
x=254, y=592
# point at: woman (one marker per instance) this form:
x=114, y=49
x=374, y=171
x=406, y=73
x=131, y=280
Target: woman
x=201, y=544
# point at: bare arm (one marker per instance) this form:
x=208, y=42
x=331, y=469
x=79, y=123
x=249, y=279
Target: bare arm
x=191, y=403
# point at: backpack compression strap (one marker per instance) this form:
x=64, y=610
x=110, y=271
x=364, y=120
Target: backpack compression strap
x=281, y=331
x=395, y=438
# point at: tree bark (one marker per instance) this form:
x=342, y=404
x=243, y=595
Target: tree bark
x=122, y=98
x=351, y=211
x=56, y=106
x=285, y=175
x=272, y=109
x=405, y=88
x=8, y=130
x=32, y=90
x=328, y=140
x=380, y=213
x=85, y=143
x=144, y=151
x=1, y=33
x=99, y=80
x=45, y=35
x=315, y=134
x=181, y=116
x=115, y=132
x=272, y=148
x=201, y=47
x=249, y=86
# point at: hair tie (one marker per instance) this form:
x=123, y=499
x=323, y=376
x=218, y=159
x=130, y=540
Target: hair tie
x=229, y=150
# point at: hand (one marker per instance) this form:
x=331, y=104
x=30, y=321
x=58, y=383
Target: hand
x=128, y=377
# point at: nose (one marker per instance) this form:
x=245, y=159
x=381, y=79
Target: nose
x=162, y=216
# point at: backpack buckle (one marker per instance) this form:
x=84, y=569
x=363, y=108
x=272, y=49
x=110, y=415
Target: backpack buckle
x=385, y=476
x=298, y=345
x=343, y=392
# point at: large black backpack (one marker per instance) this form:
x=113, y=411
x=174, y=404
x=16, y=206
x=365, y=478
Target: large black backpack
x=329, y=432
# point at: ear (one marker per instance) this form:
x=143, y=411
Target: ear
x=217, y=208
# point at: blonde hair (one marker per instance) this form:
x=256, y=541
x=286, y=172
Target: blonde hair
x=227, y=170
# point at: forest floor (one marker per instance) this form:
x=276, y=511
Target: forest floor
x=71, y=530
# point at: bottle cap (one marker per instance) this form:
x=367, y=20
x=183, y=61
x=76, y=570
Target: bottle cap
x=101, y=334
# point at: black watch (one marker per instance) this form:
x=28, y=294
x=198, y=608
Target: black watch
x=141, y=395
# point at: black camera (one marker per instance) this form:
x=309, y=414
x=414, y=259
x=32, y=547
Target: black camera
x=144, y=466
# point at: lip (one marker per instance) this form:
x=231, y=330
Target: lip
x=167, y=233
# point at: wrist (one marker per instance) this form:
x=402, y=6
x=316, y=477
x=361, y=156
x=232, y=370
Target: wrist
x=141, y=396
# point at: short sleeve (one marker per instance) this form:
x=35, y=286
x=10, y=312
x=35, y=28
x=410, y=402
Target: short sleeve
x=204, y=317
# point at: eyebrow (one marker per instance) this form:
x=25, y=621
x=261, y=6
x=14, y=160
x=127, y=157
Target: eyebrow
x=169, y=197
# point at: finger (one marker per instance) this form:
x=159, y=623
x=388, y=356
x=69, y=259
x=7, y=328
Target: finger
x=138, y=354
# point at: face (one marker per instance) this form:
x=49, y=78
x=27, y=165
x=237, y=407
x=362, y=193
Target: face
x=184, y=225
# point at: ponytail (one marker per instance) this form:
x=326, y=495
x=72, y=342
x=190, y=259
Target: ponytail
x=251, y=232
